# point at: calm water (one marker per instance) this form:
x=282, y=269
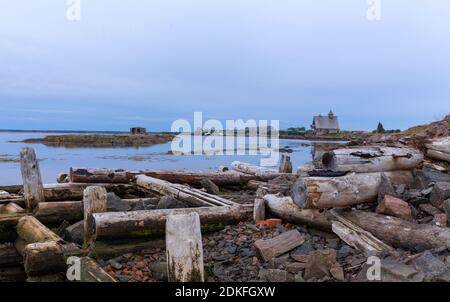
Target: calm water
x=54, y=160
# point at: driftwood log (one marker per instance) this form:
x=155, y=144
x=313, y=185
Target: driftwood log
x=398, y=232
x=372, y=159
x=149, y=223
x=74, y=191
x=32, y=183
x=250, y=169
x=32, y=230
x=343, y=191
x=9, y=255
x=279, y=245
x=11, y=208
x=439, y=149
x=94, y=201
x=222, y=179
x=51, y=212
x=184, y=249
x=283, y=207
x=192, y=196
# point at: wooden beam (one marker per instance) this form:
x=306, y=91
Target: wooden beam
x=31, y=176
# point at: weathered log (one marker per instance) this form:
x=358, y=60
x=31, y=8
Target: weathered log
x=119, y=247
x=358, y=238
x=398, y=232
x=50, y=212
x=285, y=165
x=439, y=149
x=274, y=247
x=343, y=191
x=74, y=191
x=91, y=271
x=9, y=255
x=31, y=176
x=47, y=257
x=94, y=202
x=221, y=178
x=11, y=208
x=254, y=170
x=32, y=230
x=189, y=195
x=210, y=186
x=13, y=189
x=284, y=208
x=12, y=274
x=259, y=210
x=148, y=223
x=20, y=201
x=184, y=248
x=372, y=159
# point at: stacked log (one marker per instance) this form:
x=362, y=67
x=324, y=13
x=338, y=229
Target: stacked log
x=254, y=170
x=372, y=159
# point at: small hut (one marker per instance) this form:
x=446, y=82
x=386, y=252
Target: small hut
x=325, y=124
x=138, y=131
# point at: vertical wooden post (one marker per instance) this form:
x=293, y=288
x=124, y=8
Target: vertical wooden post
x=94, y=201
x=184, y=248
x=285, y=165
x=33, y=189
x=259, y=210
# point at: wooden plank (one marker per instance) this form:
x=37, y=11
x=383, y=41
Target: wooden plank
x=271, y=248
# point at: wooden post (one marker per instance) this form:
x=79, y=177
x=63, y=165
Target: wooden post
x=33, y=189
x=184, y=248
x=94, y=201
x=259, y=210
x=285, y=165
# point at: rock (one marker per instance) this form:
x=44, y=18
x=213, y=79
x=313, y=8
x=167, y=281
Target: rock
x=159, y=270
x=423, y=178
x=320, y=263
x=440, y=220
x=210, y=186
x=4, y=195
x=440, y=193
x=345, y=251
x=115, y=204
x=269, y=223
x=337, y=272
x=386, y=188
x=62, y=178
x=295, y=267
x=279, y=261
x=273, y=275
x=299, y=278
x=394, y=207
x=61, y=231
x=300, y=258
x=390, y=271
x=115, y=265
x=446, y=207
x=429, y=209
x=167, y=202
x=429, y=265
x=400, y=189
x=333, y=243
x=75, y=232
x=303, y=249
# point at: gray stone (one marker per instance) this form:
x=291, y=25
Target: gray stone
x=333, y=243
x=426, y=176
x=429, y=264
x=345, y=251
x=440, y=193
x=390, y=271
x=303, y=249
x=115, y=265
x=385, y=188
x=159, y=270
x=320, y=263
x=115, y=204
x=273, y=275
x=210, y=186
x=446, y=207
x=167, y=202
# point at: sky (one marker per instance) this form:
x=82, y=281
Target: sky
x=148, y=63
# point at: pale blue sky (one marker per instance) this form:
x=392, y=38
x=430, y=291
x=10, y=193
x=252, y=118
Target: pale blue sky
x=147, y=63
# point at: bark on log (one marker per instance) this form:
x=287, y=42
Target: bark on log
x=343, y=191
x=150, y=223
x=259, y=211
x=50, y=212
x=254, y=170
x=31, y=176
x=400, y=233
x=439, y=149
x=372, y=159
x=184, y=248
x=189, y=195
x=9, y=255
x=358, y=238
x=74, y=191
x=98, y=175
x=221, y=178
x=274, y=247
x=32, y=230
x=284, y=208
x=94, y=202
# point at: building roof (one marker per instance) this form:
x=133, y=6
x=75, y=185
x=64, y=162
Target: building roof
x=326, y=122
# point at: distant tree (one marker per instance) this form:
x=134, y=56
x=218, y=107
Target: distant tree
x=380, y=128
